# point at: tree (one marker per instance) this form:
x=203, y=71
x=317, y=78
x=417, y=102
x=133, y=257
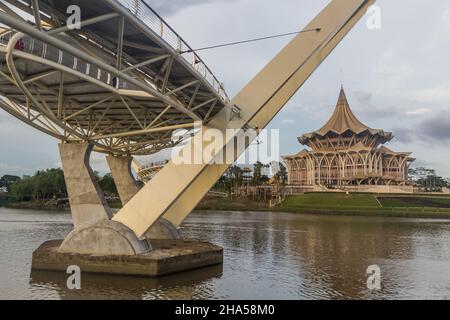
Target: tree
x=282, y=175
x=23, y=189
x=7, y=180
x=236, y=176
x=44, y=185
x=107, y=184
x=232, y=178
x=50, y=183
x=258, y=177
x=433, y=182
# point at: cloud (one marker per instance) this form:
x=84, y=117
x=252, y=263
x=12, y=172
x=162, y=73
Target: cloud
x=403, y=134
x=445, y=20
x=170, y=7
x=288, y=121
x=432, y=130
x=418, y=112
x=377, y=110
x=436, y=128
x=369, y=109
x=420, y=163
x=7, y=168
x=439, y=93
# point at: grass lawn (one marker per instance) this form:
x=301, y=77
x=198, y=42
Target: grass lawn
x=368, y=204
x=418, y=201
x=332, y=200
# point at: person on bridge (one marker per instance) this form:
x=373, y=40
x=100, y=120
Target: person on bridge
x=20, y=45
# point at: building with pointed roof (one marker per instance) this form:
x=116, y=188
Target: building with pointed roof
x=345, y=152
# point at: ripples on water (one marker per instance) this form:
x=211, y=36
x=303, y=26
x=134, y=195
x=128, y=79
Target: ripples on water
x=267, y=256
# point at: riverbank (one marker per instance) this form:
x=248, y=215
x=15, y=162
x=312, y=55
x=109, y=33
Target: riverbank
x=352, y=204
x=35, y=205
x=357, y=204
x=54, y=206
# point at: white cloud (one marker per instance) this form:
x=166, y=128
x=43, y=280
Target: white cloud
x=418, y=112
x=7, y=168
x=439, y=93
x=445, y=20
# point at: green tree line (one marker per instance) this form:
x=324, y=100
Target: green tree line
x=236, y=176
x=44, y=185
x=49, y=184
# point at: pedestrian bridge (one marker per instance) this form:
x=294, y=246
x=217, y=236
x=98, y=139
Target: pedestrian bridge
x=124, y=81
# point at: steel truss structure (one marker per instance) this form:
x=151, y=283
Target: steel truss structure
x=119, y=82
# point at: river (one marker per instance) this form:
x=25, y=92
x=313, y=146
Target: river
x=266, y=256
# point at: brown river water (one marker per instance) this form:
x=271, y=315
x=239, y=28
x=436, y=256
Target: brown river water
x=266, y=256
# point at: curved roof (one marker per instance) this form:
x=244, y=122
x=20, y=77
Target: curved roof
x=344, y=120
x=298, y=154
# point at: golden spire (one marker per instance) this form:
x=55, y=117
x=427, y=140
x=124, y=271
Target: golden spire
x=343, y=120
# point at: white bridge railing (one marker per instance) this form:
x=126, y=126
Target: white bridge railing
x=142, y=11
x=48, y=52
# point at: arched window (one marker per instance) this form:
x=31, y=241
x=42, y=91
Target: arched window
x=294, y=172
x=348, y=167
x=394, y=167
x=302, y=172
x=359, y=166
x=334, y=171
x=323, y=170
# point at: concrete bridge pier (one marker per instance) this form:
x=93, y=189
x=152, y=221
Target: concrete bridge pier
x=101, y=245
x=127, y=188
x=94, y=231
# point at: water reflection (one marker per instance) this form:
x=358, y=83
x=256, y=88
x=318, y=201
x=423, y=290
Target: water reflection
x=327, y=257
x=266, y=256
x=186, y=285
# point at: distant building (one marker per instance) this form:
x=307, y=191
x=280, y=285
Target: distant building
x=346, y=152
x=3, y=190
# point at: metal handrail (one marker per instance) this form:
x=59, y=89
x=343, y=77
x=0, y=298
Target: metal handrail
x=153, y=165
x=51, y=53
x=144, y=13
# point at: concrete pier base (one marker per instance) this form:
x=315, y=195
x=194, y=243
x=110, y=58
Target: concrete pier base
x=167, y=257
x=163, y=229
x=105, y=237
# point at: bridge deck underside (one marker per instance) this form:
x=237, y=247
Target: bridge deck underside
x=132, y=106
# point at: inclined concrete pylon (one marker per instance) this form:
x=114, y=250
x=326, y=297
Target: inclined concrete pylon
x=86, y=199
x=127, y=188
x=126, y=185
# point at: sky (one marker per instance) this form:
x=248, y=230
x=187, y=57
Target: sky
x=396, y=78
